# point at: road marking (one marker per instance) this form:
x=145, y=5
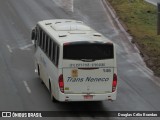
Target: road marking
x=143, y=70
x=119, y=25
x=9, y=48
x=114, y=28
x=72, y=3
x=32, y=41
x=65, y=4
x=111, y=21
x=26, y=46
x=27, y=87
x=147, y=75
x=151, y=2
x=36, y=71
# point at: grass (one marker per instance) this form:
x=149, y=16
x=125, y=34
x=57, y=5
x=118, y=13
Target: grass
x=140, y=19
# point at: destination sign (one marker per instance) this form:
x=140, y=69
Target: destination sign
x=88, y=65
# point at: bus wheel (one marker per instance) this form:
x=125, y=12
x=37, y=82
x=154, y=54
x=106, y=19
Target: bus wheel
x=51, y=95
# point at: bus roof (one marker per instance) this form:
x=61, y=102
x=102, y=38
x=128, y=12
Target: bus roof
x=66, y=30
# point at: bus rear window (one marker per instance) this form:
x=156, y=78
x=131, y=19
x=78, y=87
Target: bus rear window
x=92, y=51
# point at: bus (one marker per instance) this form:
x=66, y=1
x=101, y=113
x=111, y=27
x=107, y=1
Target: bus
x=75, y=62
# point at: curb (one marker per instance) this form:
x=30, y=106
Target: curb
x=115, y=17
x=120, y=24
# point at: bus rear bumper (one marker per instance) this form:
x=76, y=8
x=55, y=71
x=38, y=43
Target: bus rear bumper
x=87, y=97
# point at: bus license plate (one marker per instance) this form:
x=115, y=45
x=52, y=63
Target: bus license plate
x=88, y=97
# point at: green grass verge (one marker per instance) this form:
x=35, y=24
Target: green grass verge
x=140, y=19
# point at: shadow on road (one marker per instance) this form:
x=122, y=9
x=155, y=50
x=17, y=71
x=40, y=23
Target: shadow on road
x=77, y=109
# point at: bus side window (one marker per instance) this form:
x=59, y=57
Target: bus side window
x=57, y=55
x=47, y=40
x=40, y=38
x=36, y=33
x=37, y=36
x=46, y=44
x=50, y=48
x=43, y=40
x=53, y=52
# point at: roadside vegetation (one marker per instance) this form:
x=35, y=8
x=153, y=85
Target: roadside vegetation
x=140, y=19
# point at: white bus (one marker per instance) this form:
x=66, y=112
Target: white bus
x=74, y=61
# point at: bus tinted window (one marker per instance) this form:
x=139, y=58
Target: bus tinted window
x=57, y=55
x=43, y=40
x=53, y=52
x=40, y=37
x=50, y=48
x=88, y=51
x=46, y=44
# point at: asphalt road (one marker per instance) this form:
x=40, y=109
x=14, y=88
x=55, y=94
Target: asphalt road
x=154, y=2
x=21, y=89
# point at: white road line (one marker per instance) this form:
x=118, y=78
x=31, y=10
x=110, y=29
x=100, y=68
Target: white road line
x=69, y=4
x=114, y=28
x=130, y=38
x=72, y=3
x=147, y=75
x=111, y=21
x=36, y=71
x=119, y=25
x=145, y=68
x=27, y=87
x=32, y=41
x=26, y=46
x=9, y=48
x=151, y=2
x=66, y=4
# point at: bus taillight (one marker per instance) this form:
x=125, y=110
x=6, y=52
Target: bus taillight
x=114, y=84
x=61, y=83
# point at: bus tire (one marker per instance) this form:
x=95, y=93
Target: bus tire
x=51, y=95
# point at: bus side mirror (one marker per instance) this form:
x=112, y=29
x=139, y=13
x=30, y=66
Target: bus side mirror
x=33, y=35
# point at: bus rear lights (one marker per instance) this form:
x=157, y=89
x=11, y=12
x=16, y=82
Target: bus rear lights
x=61, y=83
x=114, y=84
